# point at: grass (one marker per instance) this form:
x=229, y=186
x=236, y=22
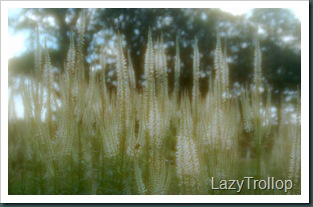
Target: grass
x=89, y=140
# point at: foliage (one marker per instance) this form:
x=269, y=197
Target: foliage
x=89, y=140
x=279, y=37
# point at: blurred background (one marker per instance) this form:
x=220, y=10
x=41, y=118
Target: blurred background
x=279, y=33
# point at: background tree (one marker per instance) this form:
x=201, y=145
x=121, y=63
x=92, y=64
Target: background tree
x=281, y=33
x=279, y=38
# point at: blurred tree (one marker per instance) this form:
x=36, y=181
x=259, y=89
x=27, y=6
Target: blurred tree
x=280, y=34
x=54, y=25
x=278, y=28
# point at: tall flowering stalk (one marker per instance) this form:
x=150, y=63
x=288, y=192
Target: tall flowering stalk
x=295, y=156
x=196, y=76
x=189, y=170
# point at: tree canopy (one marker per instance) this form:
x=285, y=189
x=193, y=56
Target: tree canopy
x=279, y=33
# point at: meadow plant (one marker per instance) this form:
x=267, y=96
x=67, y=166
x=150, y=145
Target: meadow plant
x=79, y=137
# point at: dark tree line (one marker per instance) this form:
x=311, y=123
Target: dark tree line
x=279, y=33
